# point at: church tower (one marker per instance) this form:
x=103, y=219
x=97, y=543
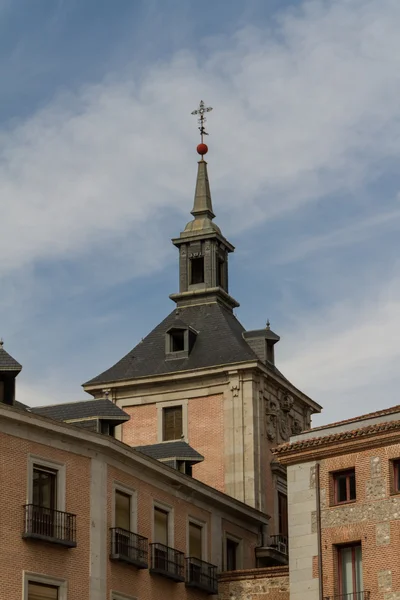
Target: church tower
x=204, y=394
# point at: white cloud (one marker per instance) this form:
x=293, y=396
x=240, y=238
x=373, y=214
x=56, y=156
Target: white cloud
x=302, y=111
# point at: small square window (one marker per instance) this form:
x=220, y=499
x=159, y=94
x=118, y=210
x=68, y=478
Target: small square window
x=396, y=476
x=344, y=486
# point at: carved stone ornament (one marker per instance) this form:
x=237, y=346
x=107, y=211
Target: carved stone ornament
x=284, y=426
x=271, y=419
x=235, y=390
x=287, y=403
x=296, y=427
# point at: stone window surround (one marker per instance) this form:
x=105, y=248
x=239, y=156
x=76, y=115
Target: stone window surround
x=171, y=530
x=134, y=502
x=121, y=596
x=29, y=577
x=204, y=536
x=160, y=406
x=61, y=478
x=239, y=555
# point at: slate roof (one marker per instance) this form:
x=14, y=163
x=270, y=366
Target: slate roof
x=219, y=341
x=101, y=408
x=334, y=438
x=174, y=449
x=7, y=362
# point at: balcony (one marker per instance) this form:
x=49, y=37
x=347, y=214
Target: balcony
x=275, y=553
x=128, y=547
x=365, y=595
x=201, y=575
x=49, y=525
x=167, y=562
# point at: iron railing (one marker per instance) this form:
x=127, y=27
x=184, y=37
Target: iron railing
x=49, y=525
x=167, y=561
x=364, y=595
x=201, y=575
x=129, y=547
x=279, y=542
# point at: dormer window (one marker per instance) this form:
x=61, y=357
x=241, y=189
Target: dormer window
x=197, y=270
x=179, y=342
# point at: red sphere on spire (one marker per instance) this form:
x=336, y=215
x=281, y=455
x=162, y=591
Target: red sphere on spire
x=202, y=149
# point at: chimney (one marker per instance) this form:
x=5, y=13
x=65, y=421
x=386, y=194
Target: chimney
x=9, y=369
x=262, y=342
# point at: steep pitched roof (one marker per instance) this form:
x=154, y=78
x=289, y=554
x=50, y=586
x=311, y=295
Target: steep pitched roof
x=175, y=449
x=219, y=341
x=74, y=411
x=7, y=362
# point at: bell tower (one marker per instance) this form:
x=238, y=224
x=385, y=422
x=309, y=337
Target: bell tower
x=203, y=250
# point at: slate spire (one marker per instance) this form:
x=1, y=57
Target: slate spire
x=202, y=198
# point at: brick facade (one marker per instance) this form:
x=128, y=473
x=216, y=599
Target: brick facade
x=94, y=465
x=370, y=520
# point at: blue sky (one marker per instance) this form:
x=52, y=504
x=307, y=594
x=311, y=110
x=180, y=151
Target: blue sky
x=98, y=166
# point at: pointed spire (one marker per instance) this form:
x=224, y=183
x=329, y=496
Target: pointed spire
x=202, y=206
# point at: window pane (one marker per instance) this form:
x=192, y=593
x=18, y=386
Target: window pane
x=39, y=591
x=160, y=526
x=358, y=569
x=283, y=514
x=397, y=476
x=197, y=266
x=341, y=488
x=195, y=540
x=44, y=488
x=172, y=426
x=352, y=486
x=231, y=555
x=346, y=570
x=122, y=510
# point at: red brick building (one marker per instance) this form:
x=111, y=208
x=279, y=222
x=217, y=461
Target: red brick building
x=344, y=509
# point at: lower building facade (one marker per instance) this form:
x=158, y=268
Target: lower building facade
x=85, y=516
x=344, y=509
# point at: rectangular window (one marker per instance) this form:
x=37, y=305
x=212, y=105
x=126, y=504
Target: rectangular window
x=42, y=591
x=122, y=510
x=282, y=514
x=220, y=273
x=177, y=340
x=172, y=423
x=197, y=270
x=344, y=486
x=232, y=548
x=44, y=487
x=396, y=476
x=161, y=518
x=195, y=541
x=350, y=570
x=1, y=391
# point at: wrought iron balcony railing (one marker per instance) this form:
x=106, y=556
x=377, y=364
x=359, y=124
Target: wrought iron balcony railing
x=129, y=547
x=279, y=542
x=49, y=525
x=364, y=595
x=201, y=575
x=167, y=561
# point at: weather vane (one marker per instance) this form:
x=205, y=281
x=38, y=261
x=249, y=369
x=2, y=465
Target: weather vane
x=201, y=112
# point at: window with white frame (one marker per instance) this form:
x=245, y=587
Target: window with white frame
x=46, y=483
x=43, y=587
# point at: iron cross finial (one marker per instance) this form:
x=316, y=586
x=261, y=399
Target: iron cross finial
x=201, y=111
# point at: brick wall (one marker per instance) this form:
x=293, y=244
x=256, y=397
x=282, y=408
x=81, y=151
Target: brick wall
x=206, y=435
x=141, y=429
x=271, y=583
x=372, y=520
x=29, y=555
